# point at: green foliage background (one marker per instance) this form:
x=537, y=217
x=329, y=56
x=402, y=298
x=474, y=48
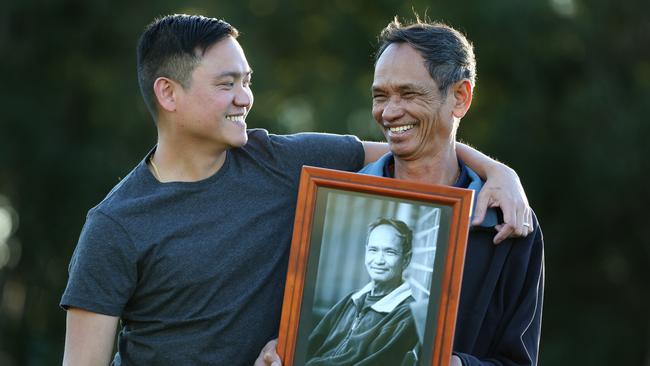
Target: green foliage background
x=563, y=97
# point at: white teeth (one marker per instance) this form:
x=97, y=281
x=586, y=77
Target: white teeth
x=400, y=129
x=235, y=118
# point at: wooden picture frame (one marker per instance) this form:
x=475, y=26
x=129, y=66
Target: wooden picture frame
x=331, y=251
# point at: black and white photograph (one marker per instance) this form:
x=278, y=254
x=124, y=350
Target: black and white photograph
x=372, y=279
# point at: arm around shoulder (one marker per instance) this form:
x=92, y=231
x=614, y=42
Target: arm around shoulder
x=342, y=152
x=89, y=338
x=502, y=189
x=373, y=151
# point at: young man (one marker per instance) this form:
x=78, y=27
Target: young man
x=189, y=251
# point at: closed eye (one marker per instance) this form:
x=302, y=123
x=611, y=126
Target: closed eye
x=225, y=84
x=409, y=95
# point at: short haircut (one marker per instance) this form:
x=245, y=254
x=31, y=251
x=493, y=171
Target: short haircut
x=403, y=232
x=448, y=55
x=172, y=46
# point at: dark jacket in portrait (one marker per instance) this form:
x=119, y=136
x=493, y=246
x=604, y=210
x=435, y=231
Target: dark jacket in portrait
x=358, y=332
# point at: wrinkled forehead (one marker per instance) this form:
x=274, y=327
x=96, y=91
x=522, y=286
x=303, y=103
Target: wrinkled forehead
x=398, y=65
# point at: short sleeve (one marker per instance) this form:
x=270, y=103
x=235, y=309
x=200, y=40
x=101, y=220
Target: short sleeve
x=102, y=271
x=341, y=152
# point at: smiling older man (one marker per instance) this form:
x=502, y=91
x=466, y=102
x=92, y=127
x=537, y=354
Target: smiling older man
x=423, y=83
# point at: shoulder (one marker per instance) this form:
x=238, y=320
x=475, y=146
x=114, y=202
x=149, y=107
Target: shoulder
x=261, y=142
x=316, y=141
x=291, y=152
x=405, y=306
x=516, y=255
x=262, y=136
x=257, y=135
x=125, y=194
x=377, y=168
x=493, y=215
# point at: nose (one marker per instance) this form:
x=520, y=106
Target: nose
x=243, y=97
x=379, y=257
x=393, y=110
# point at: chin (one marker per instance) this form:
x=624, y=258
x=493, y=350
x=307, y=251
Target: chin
x=403, y=155
x=400, y=149
x=241, y=142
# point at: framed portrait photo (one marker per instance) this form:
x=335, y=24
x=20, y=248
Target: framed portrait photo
x=374, y=272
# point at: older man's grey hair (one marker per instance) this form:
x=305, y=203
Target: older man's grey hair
x=448, y=55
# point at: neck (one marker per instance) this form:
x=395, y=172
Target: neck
x=384, y=288
x=176, y=162
x=442, y=168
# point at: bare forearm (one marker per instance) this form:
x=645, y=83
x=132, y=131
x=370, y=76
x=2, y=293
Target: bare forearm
x=89, y=338
x=374, y=150
x=502, y=189
x=482, y=164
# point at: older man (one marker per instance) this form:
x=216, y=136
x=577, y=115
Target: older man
x=373, y=325
x=423, y=83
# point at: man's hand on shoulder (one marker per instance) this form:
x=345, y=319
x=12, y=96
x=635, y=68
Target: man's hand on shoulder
x=269, y=356
x=503, y=189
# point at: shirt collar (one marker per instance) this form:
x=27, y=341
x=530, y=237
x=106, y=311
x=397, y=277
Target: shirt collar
x=387, y=303
x=467, y=179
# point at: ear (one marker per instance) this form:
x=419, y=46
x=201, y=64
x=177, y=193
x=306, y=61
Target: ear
x=407, y=259
x=165, y=90
x=462, y=92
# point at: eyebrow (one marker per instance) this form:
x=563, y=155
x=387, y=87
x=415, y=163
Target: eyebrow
x=410, y=87
x=401, y=88
x=234, y=74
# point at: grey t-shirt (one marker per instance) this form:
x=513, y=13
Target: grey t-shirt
x=196, y=270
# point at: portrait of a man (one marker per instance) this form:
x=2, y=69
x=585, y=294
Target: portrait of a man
x=374, y=324
x=372, y=272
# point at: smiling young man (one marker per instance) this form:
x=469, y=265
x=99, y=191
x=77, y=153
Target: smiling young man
x=189, y=251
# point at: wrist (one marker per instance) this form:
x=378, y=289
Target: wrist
x=456, y=360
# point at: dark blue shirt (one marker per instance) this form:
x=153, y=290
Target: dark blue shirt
x=500, y=309
x=196, y=270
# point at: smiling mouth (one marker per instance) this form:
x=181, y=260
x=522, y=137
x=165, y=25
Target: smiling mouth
x=400, y=129
x=238, y=118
